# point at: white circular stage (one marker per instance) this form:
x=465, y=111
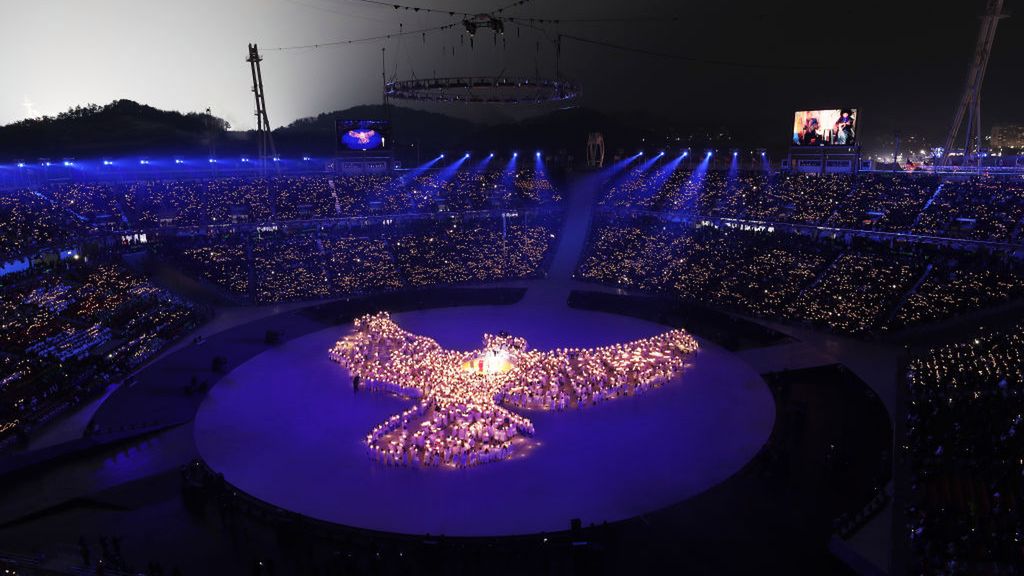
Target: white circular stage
x=286, y=427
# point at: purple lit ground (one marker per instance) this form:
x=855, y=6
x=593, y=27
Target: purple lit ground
x=286, y=427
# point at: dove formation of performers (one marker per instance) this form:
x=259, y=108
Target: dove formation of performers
x=458, y=420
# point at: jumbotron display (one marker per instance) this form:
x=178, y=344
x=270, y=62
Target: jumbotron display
x=836, y=127
x=457, y=420
x=359, y=135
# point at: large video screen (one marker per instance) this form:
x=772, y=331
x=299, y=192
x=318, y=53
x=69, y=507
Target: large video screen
x=363, y=135
x=825, y=127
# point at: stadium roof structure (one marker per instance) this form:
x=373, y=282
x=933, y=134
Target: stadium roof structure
x=479, y=89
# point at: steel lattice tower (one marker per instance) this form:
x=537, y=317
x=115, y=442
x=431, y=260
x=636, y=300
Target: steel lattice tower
x=264, y=136
x=970, y=102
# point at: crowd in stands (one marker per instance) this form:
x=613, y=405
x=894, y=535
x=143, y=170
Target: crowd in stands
x=976, y=207
x=29, y=221
x=959, y=284
x=457, y=420
x=68, y=331
x=473, y=252
x=853, y=288
x=211, y=201
x=965, y=444
x=854, y=293
x=848, y=289
x=275, y=267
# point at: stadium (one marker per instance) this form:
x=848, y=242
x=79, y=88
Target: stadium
x=495, y=324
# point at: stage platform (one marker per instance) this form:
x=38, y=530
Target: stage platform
x=287, y=428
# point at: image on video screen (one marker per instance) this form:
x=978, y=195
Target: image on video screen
x=362, y=135
x=836, y=127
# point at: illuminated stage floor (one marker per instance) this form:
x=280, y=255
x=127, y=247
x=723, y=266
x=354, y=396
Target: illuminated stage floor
x=286, y=427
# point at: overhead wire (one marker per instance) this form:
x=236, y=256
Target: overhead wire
x=366, y=39
x=414, y=8
x=535, y=24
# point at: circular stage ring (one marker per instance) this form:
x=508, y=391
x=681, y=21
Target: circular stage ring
x=477, y=90
x=285, y=427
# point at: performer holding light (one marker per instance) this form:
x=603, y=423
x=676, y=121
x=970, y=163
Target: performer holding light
x=458, y=420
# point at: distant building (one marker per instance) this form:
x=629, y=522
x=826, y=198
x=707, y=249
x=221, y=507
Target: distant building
x=1008, y=136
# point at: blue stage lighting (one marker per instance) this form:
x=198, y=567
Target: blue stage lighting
x=538, y=153
x=305, y=158
x=277, y=159
x=641, y=153
x=466, y=155
x=685, y=154
x=212, y=160
x=144, y=162
x=68, y=163
x=441, y=156
x=734, y=154
x=108, y=162
x=515, y=154
x=176, y=161
x=21, y=164
x=244, y=159
x=491, y=155
x=46, y=163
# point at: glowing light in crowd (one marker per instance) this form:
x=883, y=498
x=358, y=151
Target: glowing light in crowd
x=647, y=164
x=458, y=419
x=482, y=165
x=694, y=185
x=616, y=169
x=663, y=174
x=732, y=177
x=448, y=172
x=408, y=177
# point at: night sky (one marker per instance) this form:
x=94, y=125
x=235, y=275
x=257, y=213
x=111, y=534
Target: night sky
x=902, y=63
